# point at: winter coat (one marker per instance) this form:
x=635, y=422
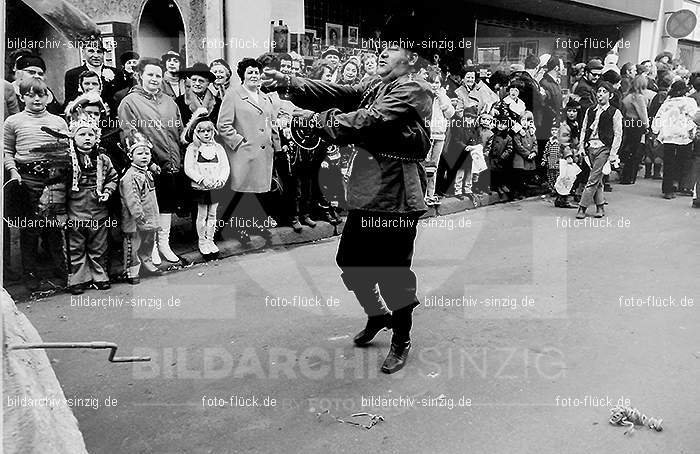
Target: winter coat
x=501, y=151
x=157, y=117
x=524, y=143
x=249, y=132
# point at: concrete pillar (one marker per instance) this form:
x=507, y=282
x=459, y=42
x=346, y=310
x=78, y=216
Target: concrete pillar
x=214, y=44
x=247, y=31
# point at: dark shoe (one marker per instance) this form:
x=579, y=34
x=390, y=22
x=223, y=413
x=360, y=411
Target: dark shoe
x=669, y=196
x=600, y=211
x=32, y=282
x=326, y=217
x=581, y=213
x=308, y=221
x=104, y=285
x=396, y=359
x=696, y=203
x=133, y=280
x=296, y=225
x=374, y=325
x=607, y=187
x=685, y=192
x=657, y=172
x=563, y=202
x=76, y=289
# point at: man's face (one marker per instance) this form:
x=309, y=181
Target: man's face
x=333, y=59
x=84, y=139
x=393, y=60
x=151, y=78
x=94, y=56
x=296, y=67
x=198, y=84
x=603, y=96
x=485, y=122
x=34, y=102
x=469, y=79
x=172, y=65
x=90, y=84
x=141, y=156
x=129, y=65
x=594, y=75
x=286, y=66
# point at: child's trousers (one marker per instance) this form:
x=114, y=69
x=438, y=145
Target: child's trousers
x=87, y=253
x=137, y=250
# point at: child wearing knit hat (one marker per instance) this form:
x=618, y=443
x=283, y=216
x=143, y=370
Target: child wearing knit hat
x=93, y=181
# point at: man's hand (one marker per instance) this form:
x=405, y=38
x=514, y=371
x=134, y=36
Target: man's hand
x=155, y=168
x=614, y=160
x=569, y=160
x=531, y=156
x=273, y=79
x=104, y=197
x=304, y=114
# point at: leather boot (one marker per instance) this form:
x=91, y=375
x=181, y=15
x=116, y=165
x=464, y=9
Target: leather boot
x=296, y=225
x=374, y=325
x=209, y=229
x=401, y=320
x=657, y=172
x=165, y=220
x=306, y=219
x=647, y=170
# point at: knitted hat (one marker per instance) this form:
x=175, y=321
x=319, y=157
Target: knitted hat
x=30, y=60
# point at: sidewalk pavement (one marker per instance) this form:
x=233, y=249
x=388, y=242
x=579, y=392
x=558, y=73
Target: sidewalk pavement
x=281, y=236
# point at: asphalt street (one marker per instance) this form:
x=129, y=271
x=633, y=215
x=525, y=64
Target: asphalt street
x=532, y=327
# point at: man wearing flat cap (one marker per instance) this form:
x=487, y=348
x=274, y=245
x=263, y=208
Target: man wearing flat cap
x=586, y=90
x=112, y=78
x=387, y=118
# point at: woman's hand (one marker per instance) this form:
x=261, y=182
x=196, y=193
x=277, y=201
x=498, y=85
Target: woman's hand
x=155, y=168
x=104, y=197
x=531, y=156
x=569, y=160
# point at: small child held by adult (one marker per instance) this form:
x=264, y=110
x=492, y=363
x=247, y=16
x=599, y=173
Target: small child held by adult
x=207, y=166
x=501, y=157
x=93, y=182
x=139, y=210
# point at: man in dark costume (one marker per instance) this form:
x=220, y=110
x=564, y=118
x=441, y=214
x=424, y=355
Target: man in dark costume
x=386, y=117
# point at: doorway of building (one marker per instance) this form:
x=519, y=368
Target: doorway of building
x=161, y=29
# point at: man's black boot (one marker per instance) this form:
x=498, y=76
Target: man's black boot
x=398, y=354
x=401, y=320
x=374, y=325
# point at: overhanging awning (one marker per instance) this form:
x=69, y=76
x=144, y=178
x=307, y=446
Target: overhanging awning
x=68, y=20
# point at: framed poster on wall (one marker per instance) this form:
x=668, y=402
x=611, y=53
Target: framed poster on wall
x=514, y=50
x=334, y=34
x=353, y=35
x=306, y=43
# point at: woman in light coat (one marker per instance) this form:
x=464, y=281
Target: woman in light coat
x=247, y=127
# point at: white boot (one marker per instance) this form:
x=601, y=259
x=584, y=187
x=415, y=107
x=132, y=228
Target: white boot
x=202, y=235
x=155, y=256
x=164, y=238
x=210, y=228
